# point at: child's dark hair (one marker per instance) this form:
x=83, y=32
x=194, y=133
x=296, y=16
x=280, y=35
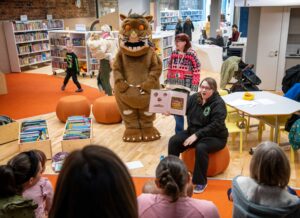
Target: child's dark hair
x=270, y=166
x=42, y=157
x=7, y=181
x=172, y=176
x=17, y=172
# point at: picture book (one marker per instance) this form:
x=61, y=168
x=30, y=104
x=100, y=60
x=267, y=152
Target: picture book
x=162, y=101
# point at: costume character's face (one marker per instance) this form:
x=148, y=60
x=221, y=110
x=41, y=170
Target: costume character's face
x=135, y=34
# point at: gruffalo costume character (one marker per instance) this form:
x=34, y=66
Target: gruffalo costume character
x=136, y=70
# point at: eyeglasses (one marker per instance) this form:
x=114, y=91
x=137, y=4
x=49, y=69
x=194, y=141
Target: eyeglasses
x=205, y=88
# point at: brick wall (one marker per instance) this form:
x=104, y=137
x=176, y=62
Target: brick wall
x=38, y=9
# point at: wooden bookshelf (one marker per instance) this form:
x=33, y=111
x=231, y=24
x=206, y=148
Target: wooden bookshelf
x=42, y=145
x=9, y=135
x=74, y=144
x=28, y=42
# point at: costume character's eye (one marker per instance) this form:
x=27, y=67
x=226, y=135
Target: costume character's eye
x=141, y=27
x=127, y=27
x=155, y=94
x=165, y=94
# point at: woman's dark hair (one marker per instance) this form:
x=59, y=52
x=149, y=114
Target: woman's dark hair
x=212, y=84
x=94, y=182
x=24, y=166
x=208, y=18
x=270, y=166
x=183, y=38
x=234, y=26
x=172, y=176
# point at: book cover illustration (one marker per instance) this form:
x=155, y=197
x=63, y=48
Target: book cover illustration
x=162, y=101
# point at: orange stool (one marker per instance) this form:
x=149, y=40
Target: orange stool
x=105, y=110
x=218, y=161
x=72, y=105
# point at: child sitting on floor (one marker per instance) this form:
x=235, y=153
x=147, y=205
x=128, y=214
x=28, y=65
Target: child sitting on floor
x=42, y=192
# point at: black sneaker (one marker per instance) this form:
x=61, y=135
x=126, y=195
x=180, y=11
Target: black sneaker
x=199, y=188
x=63, y=88
x=79, y=90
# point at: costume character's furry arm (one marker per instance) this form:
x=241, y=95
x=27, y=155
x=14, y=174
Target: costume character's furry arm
x=120, y=82
x=154, y=74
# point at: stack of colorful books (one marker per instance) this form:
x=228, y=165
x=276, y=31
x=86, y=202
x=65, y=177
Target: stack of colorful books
x=77, y=127
x=33, y=130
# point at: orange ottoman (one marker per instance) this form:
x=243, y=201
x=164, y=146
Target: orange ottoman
x=105, y=110
x=218, y=161
x=72, y=105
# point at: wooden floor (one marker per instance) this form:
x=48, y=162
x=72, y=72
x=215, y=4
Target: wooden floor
x=149, y=153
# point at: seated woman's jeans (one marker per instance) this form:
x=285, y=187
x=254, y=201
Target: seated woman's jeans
x=179, y=123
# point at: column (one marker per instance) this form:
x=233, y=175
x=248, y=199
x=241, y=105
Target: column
x=215, y=15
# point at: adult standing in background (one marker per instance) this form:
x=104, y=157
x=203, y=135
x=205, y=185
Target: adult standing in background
x=188, y=27
x=207, y=27
x=183, y=72
x=178, y=28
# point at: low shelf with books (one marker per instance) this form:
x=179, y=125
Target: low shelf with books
x=59, y=39
x=34, y=134
x=78, y=133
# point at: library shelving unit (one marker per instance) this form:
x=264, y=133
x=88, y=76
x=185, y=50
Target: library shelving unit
x=55, y=24
x=58, y=41
x=195, y=15
x=27, y=43
x=164, y=44
x=168, y=19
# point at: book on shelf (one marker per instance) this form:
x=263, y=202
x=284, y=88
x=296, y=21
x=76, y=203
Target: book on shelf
x=77, y=127
x=163, y=101
x=33, y=130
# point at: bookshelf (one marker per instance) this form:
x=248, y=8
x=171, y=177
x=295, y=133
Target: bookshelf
x=34, y=134
x=28, y=42
x=164, y=45
x=58, y=42
x=168, y=19
x=77, y=134
x=195, y=15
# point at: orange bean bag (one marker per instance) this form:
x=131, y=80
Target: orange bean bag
x=105, y=110
x=72, y=105
x=218, y=161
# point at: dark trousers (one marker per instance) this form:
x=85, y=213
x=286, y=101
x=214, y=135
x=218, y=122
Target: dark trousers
x=203, y=147
x=74, y=78
x=179, y=123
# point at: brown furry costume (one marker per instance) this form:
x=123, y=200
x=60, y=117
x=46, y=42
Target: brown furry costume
x=136, y=69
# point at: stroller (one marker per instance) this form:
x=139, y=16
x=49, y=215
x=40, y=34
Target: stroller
x=246, y=81
x=234, y=67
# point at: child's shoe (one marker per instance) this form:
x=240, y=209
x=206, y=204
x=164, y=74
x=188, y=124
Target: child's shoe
x=199, y=188
x=63, y=88
x=79, y=90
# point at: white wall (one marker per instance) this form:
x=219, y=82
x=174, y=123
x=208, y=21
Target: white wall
x=137, y=6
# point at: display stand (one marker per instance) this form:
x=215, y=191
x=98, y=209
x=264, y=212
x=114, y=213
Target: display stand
x=74, y=144
x=9, y=135
x=42, y=145
x=168, y=19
